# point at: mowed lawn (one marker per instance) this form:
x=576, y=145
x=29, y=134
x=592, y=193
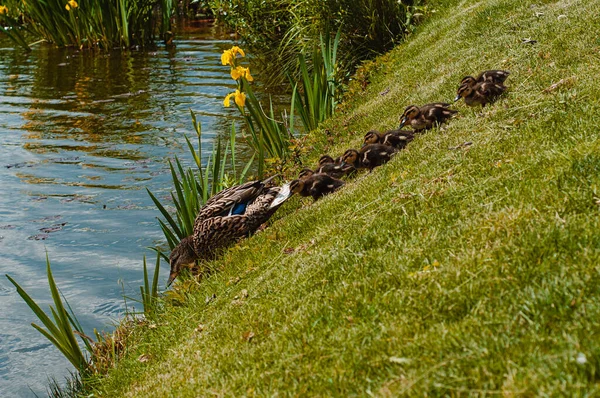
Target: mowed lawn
x=468, y=265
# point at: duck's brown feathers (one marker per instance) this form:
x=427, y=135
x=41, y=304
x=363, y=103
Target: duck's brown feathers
x=494, y=76
x=369, y=156
x=480, y=93
x=395, y=138
x=316, y=185
x=426, y=116
x=216, y=227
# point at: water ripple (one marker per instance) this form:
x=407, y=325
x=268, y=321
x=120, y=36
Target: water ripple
x=81, y=137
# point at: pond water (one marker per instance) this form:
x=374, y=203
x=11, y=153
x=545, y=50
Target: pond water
x=81, y=138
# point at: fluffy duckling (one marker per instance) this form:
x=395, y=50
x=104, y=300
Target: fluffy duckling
x=426, y=116
x=395, y=138
x=305, y=173
x=493, y=76
x=333, y=167
x=480, y=93
x=316, y=185
x=369, y=156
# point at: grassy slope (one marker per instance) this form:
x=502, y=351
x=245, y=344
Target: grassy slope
x=446, y=271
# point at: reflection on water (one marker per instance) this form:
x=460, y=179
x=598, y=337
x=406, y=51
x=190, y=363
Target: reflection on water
x=81, y=138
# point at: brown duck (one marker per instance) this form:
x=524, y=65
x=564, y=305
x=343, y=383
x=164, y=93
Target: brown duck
x=316, y=185
x=395, y=138
x=369, y=156
x=480, y=93
x=225, y=218
x=494, y=76
x=333, y=167
x=426, y=116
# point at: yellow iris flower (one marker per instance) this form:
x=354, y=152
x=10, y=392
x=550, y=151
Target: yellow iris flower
x=3, y=10
x=238, y=97
x=240, y=71
x=228, y=56
x=236, y=50
x=72, y=4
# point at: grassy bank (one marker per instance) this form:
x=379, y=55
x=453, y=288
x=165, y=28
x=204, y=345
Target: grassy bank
x=455, y=269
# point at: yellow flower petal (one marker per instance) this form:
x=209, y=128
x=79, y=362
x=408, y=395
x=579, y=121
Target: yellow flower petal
x=248, y=76
x=73, y=4
x=236, y=50
x=227, y=58
x=67, y=8
x=227, y=102
x=3, y=10
x=240, y=98
x=238, y=72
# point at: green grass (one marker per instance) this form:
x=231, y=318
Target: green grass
x=469, y=271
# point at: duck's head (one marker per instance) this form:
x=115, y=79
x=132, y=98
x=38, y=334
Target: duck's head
x=463, y=91
x=182, y=256
x=296, y=186
x=305, y=173
x=325, y=159
x=410, y=113
x=350, y=157
x=372, y=137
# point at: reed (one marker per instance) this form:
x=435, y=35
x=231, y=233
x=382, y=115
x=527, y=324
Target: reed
x=102, y=24
x=318, y=98
x=62, y=328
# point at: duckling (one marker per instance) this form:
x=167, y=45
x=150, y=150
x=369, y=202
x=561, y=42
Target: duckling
x=480, y=93
x=395, y=138
x=493, y=76
x=333, y=167
x=369, y=156
x=326, y=159
x=426, y=116
x=316, y=185
x=304, y=173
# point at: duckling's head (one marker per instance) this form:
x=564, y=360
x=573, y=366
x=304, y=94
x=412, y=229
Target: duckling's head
x=410, y=113
x=468, y=80
x=183, y=255
x=304, y=173
x=325, y=159
x=296, y=186
x=372, y=137
x=350, y=157
x=463, y=91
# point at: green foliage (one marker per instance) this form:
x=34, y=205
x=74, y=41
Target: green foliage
x=367, y=27
x=11, y=27
x=269, y=137
x=318, y=100
x=60, y=331
x=96, y=23
x=149, y=293
x=194, y=186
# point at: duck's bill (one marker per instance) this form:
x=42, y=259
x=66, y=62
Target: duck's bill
x=172, y=277
x=457, y=98
x=282, y=196
x=403, y=122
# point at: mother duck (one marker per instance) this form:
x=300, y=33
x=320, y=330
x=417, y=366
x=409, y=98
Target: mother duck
x=225, y=218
